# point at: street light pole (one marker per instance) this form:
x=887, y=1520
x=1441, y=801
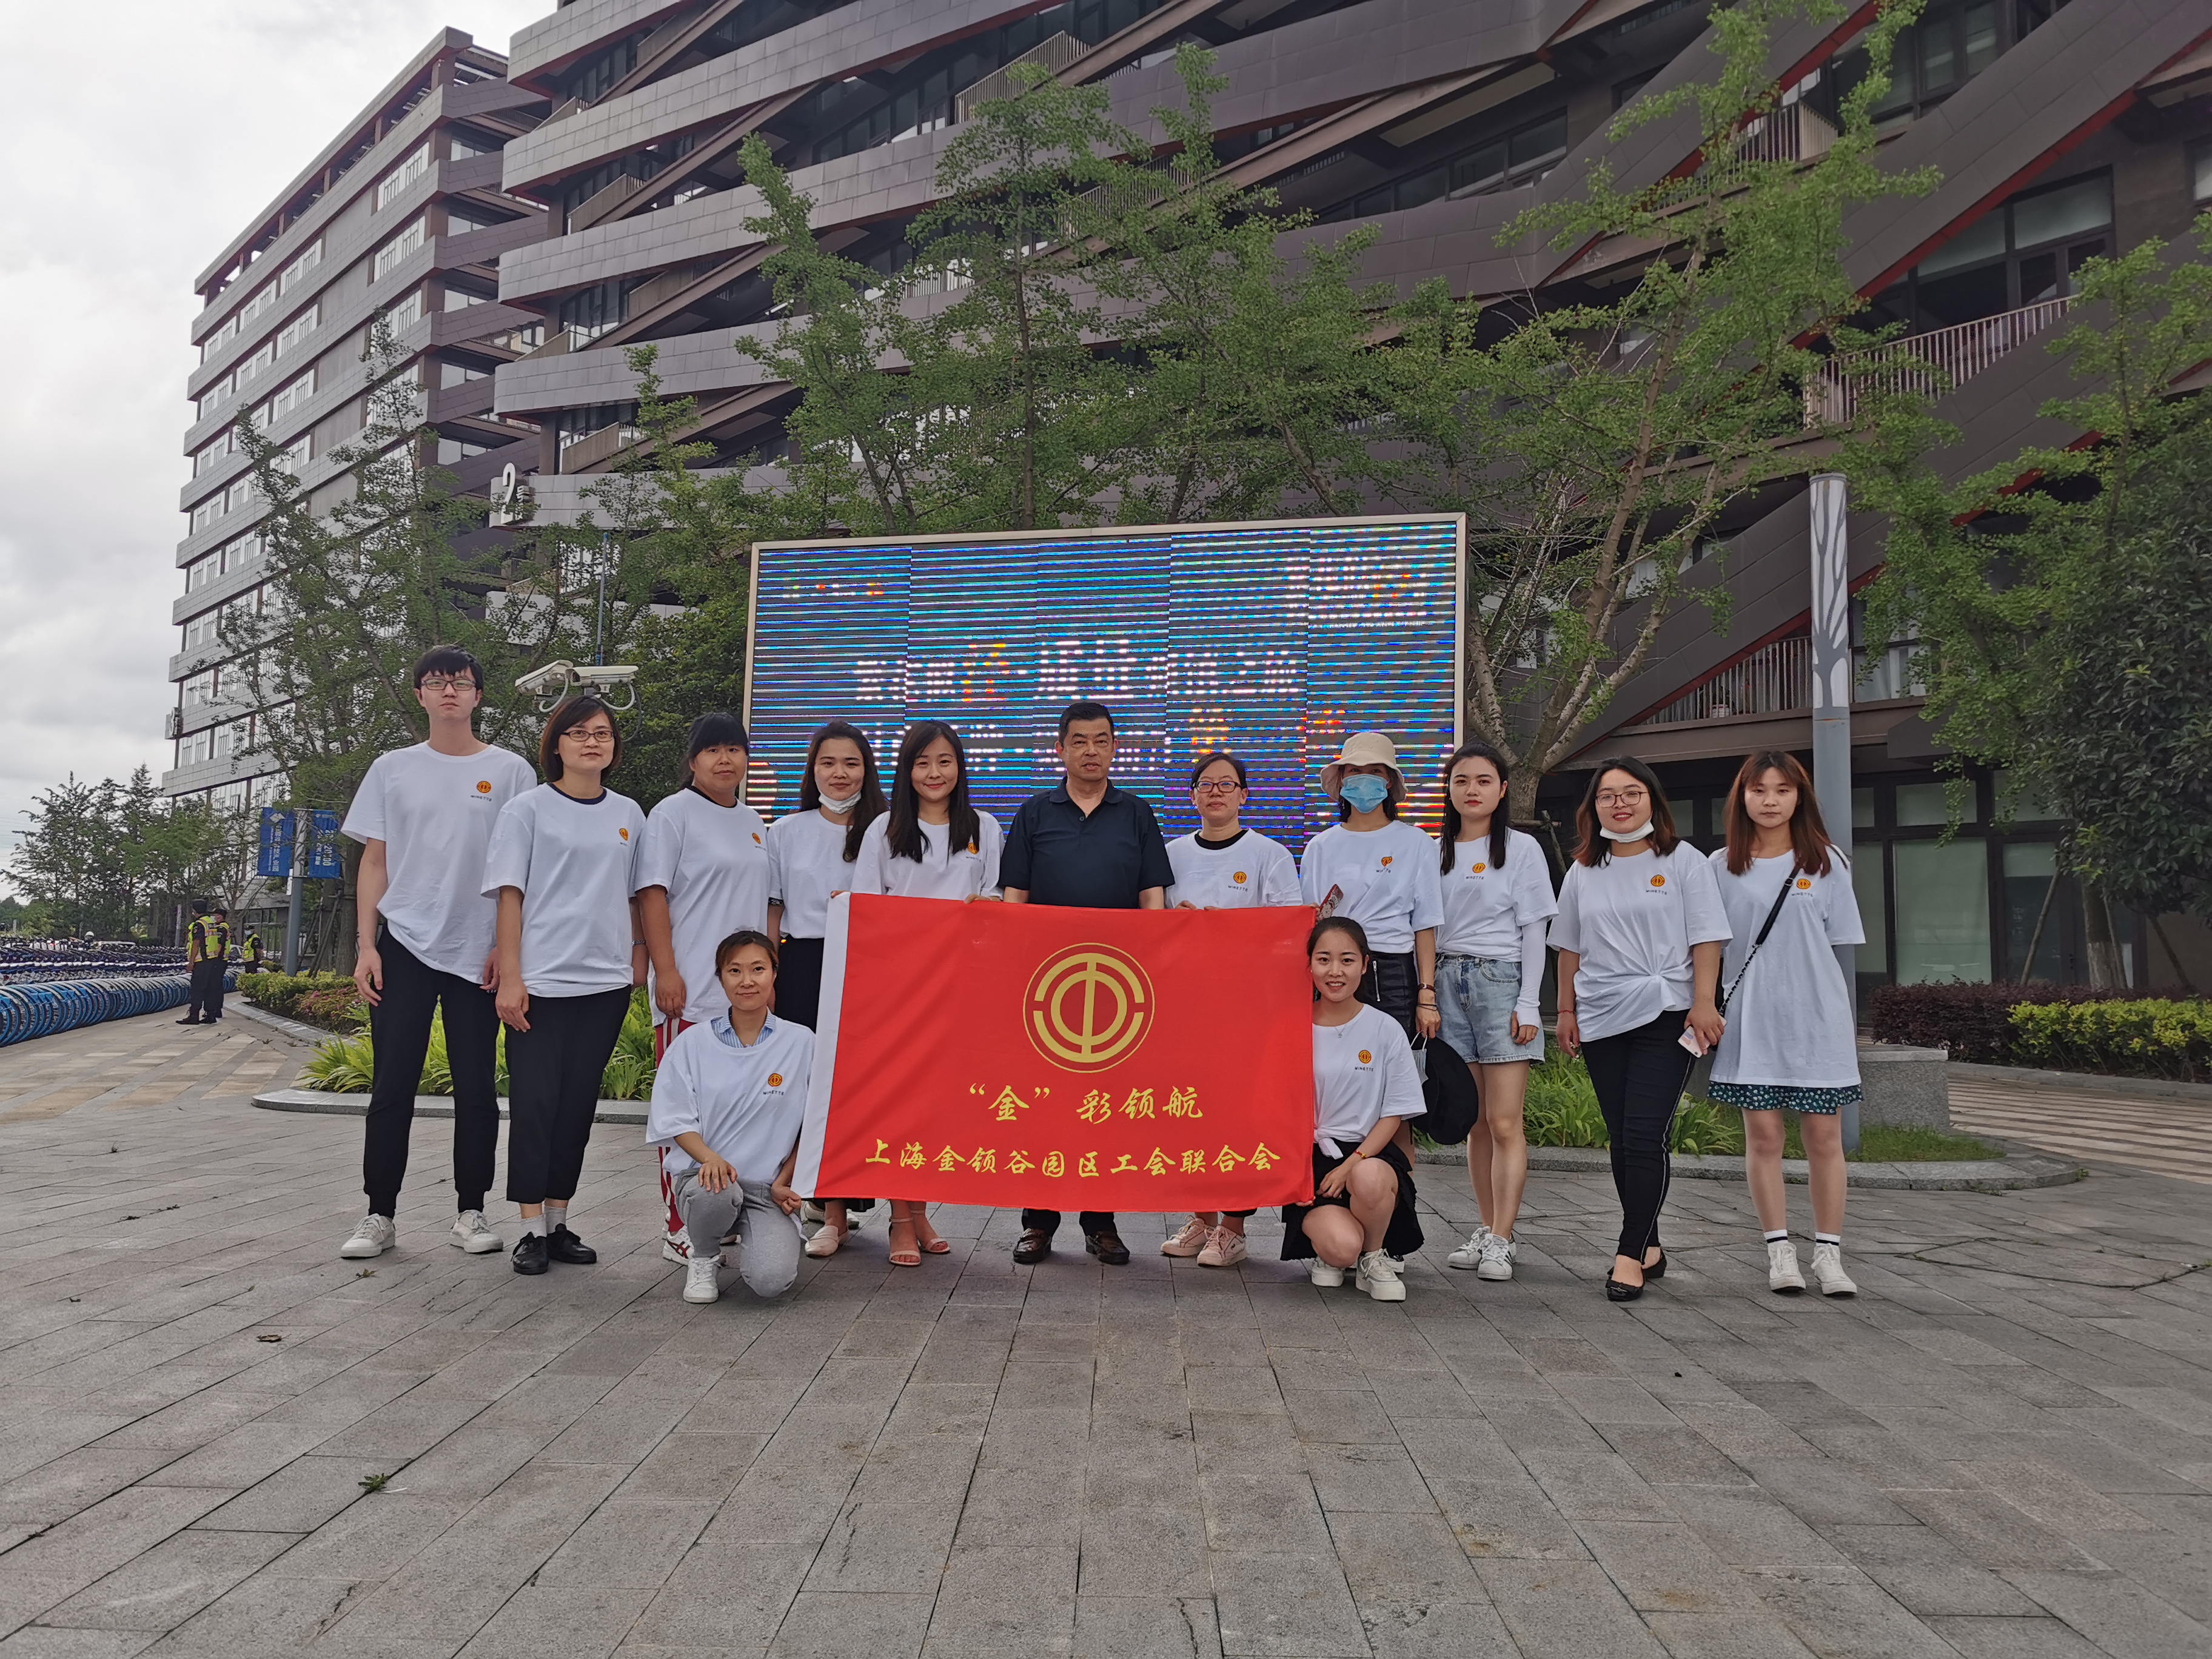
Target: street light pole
x=302, y=825
x=1832, y=699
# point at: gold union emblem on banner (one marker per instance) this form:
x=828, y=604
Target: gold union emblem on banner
x=1088, y=1008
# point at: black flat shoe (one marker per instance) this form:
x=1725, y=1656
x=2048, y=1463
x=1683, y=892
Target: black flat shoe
x=564, y=1246
x=1616, y=1291
x=1655, y=1269
x=1107, y=1248
x=1035, y=1245
x=530, y=1254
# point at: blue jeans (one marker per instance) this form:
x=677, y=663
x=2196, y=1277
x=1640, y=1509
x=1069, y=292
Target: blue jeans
x=1475, y=997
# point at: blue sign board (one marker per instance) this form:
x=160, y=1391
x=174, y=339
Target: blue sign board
x=325, y=858
x=275, y=862
x=326, y=862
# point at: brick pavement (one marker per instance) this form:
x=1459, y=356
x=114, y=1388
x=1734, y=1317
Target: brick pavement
x=2004, y=1446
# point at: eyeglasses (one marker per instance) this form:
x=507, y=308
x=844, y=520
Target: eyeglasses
x=589, y=734
x=1216, y=787
x=1621, y=797
x=447, y=683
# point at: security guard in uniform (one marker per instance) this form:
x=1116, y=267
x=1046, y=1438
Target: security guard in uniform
x=207, y=948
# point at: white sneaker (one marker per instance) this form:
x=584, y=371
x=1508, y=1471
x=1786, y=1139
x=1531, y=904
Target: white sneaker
x=1378, y=1277
x=1469, y=1255
x=1189, y=1242
x=374, y=1236
x=1783, y=1276
x=1828, y=1270
x=472, y=1233
x=1324, y=1276
x=1497, y=1258
x=676, y=1248
x=1223, y=1248
x=699, y=1282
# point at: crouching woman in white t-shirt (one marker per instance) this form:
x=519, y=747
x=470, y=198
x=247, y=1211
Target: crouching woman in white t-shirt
x=562, y=863
x=1792, y=1038
x=1639, y=934
x=933, y=843
x=727, y=1104
x=1364, y=1087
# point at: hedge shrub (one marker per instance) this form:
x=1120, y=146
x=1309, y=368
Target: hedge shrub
x=329, y=1000
x=2151, y=1036
x=1974, y=1022
x=345, y=1064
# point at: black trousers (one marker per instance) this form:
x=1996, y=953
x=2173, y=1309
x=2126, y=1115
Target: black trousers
x=1638, y=1075
x=399, y=1027
x=798, y=981
x=1392, y=983
x=553, y=1071
x=1092, y=1221
x=207, y=991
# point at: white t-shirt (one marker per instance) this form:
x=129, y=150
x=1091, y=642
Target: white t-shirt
x=574, y=862
x=1791, y=1021
x=1251, y=872
x=745, y=1103
x=713, y=862
x=806, y=865
x=941, y=873
x=1362, y=1072
x=1632, y=920
x=434, y=814
x=1388, y=877
x=1499, y=913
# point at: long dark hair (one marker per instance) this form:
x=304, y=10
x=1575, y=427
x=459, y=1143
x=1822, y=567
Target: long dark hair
x=871, y=805
x=1498, y=827
x=1808, y=833
x=903, y=834
x=1592, y=848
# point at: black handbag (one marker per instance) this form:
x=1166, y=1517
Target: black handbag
x=1448, y=1090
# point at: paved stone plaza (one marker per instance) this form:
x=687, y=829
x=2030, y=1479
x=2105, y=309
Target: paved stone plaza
x=2004, y=1446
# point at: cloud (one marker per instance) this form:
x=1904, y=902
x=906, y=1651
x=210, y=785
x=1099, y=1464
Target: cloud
x=132, y=167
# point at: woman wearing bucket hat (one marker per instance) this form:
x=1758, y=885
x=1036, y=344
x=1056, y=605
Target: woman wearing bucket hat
x=1382, y=874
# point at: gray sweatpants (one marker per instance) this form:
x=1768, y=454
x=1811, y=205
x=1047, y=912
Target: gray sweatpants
x=768, y=1242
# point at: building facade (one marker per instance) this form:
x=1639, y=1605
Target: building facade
x=402, y=212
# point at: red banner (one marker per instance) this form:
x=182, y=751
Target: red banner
x=1013, y=1054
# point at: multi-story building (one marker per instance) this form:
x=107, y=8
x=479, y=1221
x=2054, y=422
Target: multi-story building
x=402, y=212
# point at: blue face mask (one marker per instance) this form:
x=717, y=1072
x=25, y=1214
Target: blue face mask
x=1364, y=792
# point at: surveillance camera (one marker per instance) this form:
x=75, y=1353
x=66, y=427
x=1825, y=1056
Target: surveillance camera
x=554, y=678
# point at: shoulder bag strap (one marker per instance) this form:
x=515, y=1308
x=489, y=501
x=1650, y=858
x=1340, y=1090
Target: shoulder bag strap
x=1766, y=928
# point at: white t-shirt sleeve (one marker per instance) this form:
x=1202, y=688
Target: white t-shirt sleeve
x=1428, y=894
x=1705, y=918
x=674, y=1109
x=660, y=849
x=1401, y=1081
x=507, y=860
x=1528, y=1002
x=1846, y=925
x=1279, y=876
x=1313, y=886
x=365, y=819
x=868, y=863
x=992, y=842
x=1567, y=921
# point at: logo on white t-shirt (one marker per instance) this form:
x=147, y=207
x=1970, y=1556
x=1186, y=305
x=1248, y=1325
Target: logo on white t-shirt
x=775, y=1080
x=483, y=787
x=622, y=831
x=1366, y=1057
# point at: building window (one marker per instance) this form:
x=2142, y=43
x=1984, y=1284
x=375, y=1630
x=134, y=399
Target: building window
x=2200, y=169
x=292, y=397
x=2021, y=253
x=255, y=365
x=203, y=629
x=404, y=175
x=215, y=398
x=293, y=460
x=202, y=571
x=297, y=329
x=195, y=747
x=199, y=691
x=1518, y=157
x=1869, y=888
x=211, y=456
x=1942, y=910
x=469, y=142
x=407, y=314
x=236, y=555
x=398, y=248
x=310, y=256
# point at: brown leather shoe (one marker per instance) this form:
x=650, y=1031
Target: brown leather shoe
x=1107, y=1248
x=1035, y=1245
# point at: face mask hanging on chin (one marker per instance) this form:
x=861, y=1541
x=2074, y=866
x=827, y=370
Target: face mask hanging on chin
x=1364, y=792
x=1637, y=833
x=841, y=804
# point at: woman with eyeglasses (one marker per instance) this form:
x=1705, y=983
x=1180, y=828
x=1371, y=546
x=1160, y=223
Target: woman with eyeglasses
x=933, y=843
x=1222, y=866
x=561, y=865
x=1639, y=934
x=703, y=872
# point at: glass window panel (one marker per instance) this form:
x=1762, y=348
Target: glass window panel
x=1983, y=240
x=1866, y=886
x=1863, y=808
x=2030, y=870
x=1981, y=38
x=1537, y=140
x=2203, y=171
x=1927, y=803
x=2039, y=278
x=1421, y=187
x=1965, y=297
x=1943, y=911
x=1938, y=57
x=2086, y=206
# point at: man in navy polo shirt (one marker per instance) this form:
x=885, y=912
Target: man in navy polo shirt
x=1090, y=844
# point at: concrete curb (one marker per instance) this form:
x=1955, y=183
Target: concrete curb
x=2083, y=1083
x=2014, y=1172
x=312, y=1035
x=337, y=1105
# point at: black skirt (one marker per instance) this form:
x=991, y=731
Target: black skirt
x=798, y=982
x=1402, y=1237
x=1392, y=983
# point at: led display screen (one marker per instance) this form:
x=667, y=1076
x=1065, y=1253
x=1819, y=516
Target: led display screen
x=1273, y=641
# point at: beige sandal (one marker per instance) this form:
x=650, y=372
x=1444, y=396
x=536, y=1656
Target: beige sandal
x=826, y=1242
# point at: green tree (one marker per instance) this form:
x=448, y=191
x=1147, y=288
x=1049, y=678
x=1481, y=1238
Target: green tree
x=2059, y=600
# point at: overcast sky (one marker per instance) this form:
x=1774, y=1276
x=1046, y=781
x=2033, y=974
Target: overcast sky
x=139, y=150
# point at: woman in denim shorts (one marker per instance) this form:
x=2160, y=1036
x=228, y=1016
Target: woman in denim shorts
x=1490, y=971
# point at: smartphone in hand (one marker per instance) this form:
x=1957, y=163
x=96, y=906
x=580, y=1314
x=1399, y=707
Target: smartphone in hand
x=1327, y=907
x=1690, y=1040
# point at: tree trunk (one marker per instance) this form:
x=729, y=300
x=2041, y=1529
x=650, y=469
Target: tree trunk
x=2106, y=972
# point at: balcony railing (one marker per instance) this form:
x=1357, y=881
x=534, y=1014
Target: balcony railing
x=1794, y=132
x=1924, y=365
x=1772, y=680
